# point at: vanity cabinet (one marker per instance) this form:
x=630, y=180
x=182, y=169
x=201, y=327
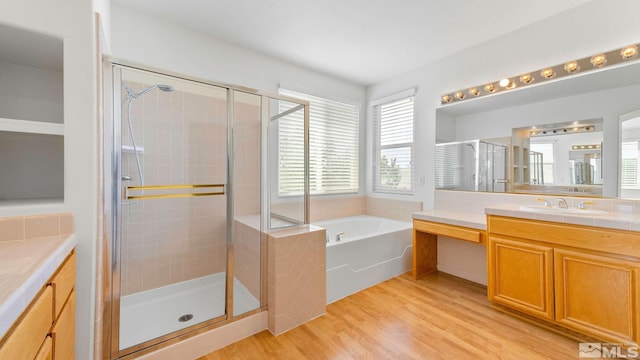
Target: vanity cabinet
x=46, y=329
x=523, y=276
x=581, y=278
x=597, y=294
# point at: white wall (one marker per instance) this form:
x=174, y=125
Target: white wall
x=73, y=21
x=583, y=31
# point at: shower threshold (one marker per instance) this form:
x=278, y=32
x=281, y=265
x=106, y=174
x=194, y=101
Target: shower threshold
x=154, y=313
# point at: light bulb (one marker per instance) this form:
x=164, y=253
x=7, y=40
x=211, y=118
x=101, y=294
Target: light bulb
x=526, y=78
x=599, y=60
x=548, y=73
x=571, y=67
x=507, y=84
x=629, y=52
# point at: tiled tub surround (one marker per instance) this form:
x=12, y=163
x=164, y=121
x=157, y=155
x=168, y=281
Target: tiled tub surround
x=31, y=249
x=296, y=277
x=333, y=207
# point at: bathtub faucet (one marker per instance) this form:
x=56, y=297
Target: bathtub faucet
x=338, y=235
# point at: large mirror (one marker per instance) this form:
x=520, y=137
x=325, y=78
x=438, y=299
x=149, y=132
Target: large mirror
x=564, y=158
x=581, y=162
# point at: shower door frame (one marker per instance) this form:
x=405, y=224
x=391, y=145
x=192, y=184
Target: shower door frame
x=112, y=257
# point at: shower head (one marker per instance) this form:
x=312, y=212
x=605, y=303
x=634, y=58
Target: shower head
x=166, y=88
x=163, y=87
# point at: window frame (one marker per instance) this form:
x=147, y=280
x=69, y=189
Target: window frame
x=378, y=147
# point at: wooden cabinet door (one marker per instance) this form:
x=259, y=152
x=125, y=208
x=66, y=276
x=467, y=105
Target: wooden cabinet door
x=597, y=295
x=521, y=276
x=64, y=331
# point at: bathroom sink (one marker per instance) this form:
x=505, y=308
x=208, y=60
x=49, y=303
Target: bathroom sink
x=558, y=210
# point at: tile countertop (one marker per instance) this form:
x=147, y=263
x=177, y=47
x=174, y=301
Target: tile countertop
x=612, y=220
x=25, y=267
x=458, y=218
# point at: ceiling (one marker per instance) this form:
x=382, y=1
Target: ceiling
x=363, y=41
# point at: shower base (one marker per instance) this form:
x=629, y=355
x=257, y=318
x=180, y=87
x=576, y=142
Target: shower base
x=153, y=313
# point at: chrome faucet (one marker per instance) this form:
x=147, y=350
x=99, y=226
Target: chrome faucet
x=562, y=203
x=338, y=235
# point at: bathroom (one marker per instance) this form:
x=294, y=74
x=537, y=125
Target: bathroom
x=138, y=37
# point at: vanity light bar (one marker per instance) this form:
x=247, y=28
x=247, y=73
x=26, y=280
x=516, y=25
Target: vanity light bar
x=561, y=131
x=625, y=54
x=586, y=147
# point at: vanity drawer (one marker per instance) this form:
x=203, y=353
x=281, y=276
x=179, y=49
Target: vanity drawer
x=63, y=282
x=621, y=242
x=27, y=337
x=457, y=232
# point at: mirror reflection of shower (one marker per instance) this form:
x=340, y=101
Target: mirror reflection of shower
x=131, y=96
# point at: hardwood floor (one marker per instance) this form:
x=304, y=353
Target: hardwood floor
x=436, y=317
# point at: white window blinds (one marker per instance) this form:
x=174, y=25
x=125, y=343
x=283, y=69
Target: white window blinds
x=629, y=167
x=393, y=146
x=333, y=148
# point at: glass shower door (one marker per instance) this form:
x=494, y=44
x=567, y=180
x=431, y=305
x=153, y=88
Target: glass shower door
x=173, y=179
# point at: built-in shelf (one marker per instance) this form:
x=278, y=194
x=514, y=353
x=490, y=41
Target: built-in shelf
x=31, y=122
x=129, y=149
x=31, y=127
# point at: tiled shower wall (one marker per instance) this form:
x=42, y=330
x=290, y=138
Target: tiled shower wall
x=182, y=139
x=246, y=194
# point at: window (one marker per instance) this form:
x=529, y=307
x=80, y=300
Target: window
x=547, y=150
x=393, y=144
x=333, y=147
x=629, y=170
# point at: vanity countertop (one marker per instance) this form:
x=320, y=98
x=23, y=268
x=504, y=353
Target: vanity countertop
x=620, y=220
x=611, y=220
x=25, y=267
x=458, y=218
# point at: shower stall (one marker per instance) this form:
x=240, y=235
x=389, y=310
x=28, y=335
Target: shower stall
x=475, y=165
x=188, y=176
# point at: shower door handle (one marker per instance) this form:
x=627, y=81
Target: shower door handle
x=173, y=191
x=126, y=178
